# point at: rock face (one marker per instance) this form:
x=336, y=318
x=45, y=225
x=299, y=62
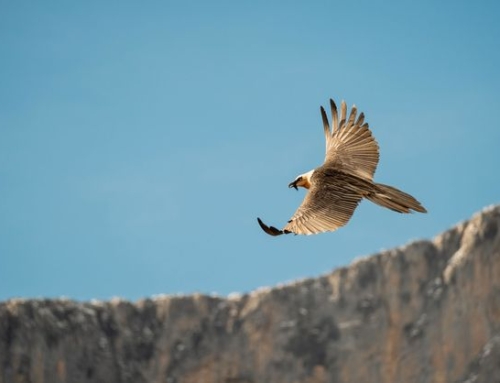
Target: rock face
x=426, y=312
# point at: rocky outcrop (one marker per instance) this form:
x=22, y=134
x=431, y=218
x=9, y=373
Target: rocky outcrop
x=425, y=312
x=486, y=367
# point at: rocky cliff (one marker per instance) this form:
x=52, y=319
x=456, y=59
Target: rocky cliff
x=425, y=312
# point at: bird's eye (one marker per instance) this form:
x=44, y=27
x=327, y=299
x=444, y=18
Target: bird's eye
x=299, y=178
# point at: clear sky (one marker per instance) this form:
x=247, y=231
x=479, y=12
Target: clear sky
x=139, y=141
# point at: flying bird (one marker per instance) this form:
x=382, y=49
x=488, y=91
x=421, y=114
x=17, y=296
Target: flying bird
x=345, y=178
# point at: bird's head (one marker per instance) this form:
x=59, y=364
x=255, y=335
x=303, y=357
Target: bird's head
x=303, y=180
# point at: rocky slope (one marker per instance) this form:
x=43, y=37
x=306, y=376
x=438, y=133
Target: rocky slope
x=426, y=312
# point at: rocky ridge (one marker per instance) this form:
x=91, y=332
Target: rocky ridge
x=425, y=312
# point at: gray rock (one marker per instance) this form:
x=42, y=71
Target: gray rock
x=425, y=312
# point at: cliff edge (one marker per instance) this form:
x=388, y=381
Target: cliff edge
x=425, y=312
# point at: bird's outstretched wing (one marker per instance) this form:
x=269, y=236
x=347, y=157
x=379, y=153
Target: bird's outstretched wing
x=350, y=146
x=328, y=205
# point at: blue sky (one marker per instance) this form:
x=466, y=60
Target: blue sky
x=140, y=141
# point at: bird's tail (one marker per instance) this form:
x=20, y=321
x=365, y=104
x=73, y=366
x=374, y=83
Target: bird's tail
x=395, y=199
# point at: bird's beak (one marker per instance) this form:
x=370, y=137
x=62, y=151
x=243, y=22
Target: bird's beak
x=293, y=185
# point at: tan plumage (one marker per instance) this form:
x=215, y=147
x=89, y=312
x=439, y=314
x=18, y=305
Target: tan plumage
x=346, y=176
